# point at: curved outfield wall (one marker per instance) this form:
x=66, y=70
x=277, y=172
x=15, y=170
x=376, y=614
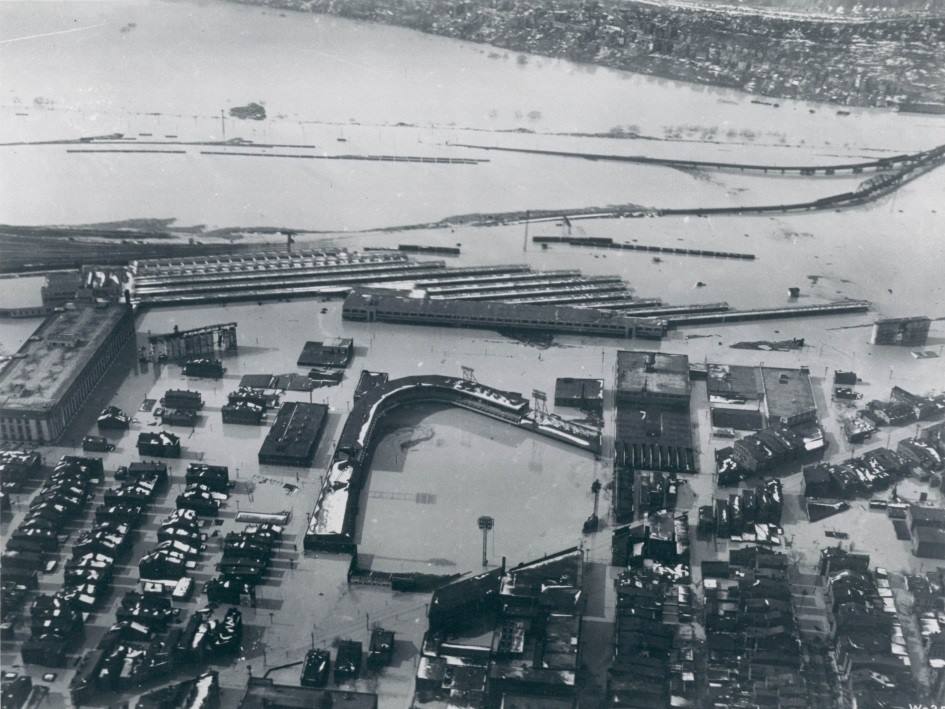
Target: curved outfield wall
x=333, y=522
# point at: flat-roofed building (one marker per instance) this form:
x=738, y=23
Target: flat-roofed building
x=654, y=431
x=653, y=378
x=908, y=332
x=333, y=352
x=294, y=436
x=46, y=382
x=579, y=393
x=789, y=396
x=384, y=306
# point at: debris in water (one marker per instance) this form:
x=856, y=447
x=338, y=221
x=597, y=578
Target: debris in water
x=769, y=346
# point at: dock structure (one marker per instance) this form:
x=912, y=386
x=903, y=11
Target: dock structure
x=377, y=306
x=452, y=288
x=256, y=276
x=279, y=274
x=796, y=311
x=608, y=243
x=659, y=311
x=578, y=286
x=333, y=522
x=616, y=300
x=186, y=344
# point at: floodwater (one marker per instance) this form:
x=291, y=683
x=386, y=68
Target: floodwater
x=169, y=68
x=421, y=506
x=169, y=72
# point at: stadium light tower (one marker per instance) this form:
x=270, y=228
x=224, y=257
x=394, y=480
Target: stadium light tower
x=485, y=524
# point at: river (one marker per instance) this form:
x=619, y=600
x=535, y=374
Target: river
x=168, y=71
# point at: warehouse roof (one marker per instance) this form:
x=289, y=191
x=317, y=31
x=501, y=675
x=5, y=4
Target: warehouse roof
x=49, y=362
x=657, y=372
x=491, y=310
x=788, y=392
x=582, y=389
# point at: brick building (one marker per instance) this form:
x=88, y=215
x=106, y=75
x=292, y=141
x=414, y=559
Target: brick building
x=48, y=380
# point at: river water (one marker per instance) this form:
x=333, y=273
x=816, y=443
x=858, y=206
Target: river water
x=332, y=86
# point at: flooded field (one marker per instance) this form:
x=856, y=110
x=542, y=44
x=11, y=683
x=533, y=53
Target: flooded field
x=436, y=470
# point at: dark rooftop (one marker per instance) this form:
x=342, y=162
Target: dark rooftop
x=295, y=433
x=657, y=372
x=466, y=590
x=788, y=392
x=263, y=693
x=579, y=389
x=495, y=311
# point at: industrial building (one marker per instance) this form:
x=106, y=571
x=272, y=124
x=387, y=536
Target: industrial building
x=188, y=344
x=387, y=306
x=908, y=332
x=789, y=396
x=587, y=394
x=334, y=352
x=653, y=378
x=43, y=386
x=751, y=398
x=654, y=431
x=294, y=436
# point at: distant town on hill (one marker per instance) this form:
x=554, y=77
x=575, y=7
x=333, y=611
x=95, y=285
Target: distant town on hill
x=888, y=56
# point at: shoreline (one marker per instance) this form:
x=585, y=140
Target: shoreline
x=774, y=30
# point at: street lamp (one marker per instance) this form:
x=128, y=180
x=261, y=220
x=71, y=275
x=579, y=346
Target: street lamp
x=485, y=524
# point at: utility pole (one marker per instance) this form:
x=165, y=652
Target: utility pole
x=527, y=219
x=222, y=124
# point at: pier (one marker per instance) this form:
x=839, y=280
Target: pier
x=607, y=243
x=835, y=308
x=285, y=274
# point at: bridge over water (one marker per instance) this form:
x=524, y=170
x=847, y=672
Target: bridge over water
x=851, y=168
